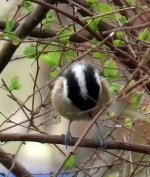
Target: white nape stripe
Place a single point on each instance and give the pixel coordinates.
(80, 76)
(65, 88)
(65, 91)
(98, 79)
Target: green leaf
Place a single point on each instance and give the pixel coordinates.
(115, 174)
(105, 8)
(16, 40)
(93, 24)
(50, 19)
(70, 162)
(144, 35)
(8, 32)
(70, 55)
(113, 115)
(52, 58)
(111, 69)
(10, 24)
(30, 51)
(123, 20)
(115, 87)
(128, 122)
(28, 6)
(120, 34)
(15, 84)
(54, 74)
(64, 36)
(118, 43)
(92, 1)
(135, 101)
(55, 46)
(103, 56)
(132, 2)
(13, 37)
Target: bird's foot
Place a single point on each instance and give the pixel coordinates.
(103, 141)
(102, 138)
(68, 139)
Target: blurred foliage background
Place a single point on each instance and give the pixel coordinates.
(38, 41)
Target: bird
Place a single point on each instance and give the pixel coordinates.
(80, 93)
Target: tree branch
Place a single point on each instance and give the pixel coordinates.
(7, 160)
(22, 31)
(88, 143)
(36, 32)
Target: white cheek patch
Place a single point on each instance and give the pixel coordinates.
(80, 76)
(98, 79)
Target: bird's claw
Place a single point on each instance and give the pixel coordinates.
(68, 139)
(103, 142)
(102, 138)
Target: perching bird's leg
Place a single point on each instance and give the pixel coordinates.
(103, 141)
(68, 136)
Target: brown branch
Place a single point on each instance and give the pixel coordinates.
(83, 7)
(36, 32)
(7, 161)
(73, 18)
(22, 31)
(82, 36)
(88, 143)
(125, 28)
(118, 51)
